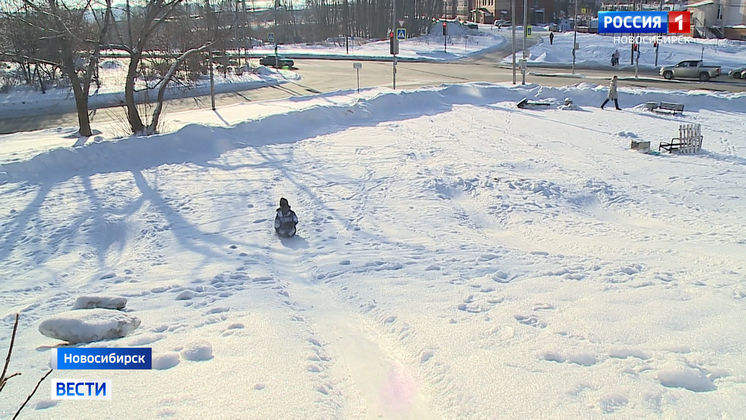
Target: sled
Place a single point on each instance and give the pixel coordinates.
(523, 103)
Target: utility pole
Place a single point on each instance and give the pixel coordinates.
(658, 39)
(525, 33)
(243, 35)
(393, 31)
(347, 28)
(512, 9)
(212, 76)
(236, 41)
(129, 25)
(575, 36)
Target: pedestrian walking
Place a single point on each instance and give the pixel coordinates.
(612, 94)
(551, 38)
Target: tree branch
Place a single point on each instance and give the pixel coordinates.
(32, 393)
(169, 7)
(3, 379)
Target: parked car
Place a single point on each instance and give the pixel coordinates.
(690, 69)
(471, 25)
(503, 24)
(738, 73)
(276, 61)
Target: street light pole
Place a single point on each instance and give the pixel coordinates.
(575, 36)
(512, 8)
(347, 29)
(393, 30)
(658, 40)
(525, 32)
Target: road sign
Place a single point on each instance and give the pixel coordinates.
(401, 22)
(528, 31)
(401, 34)
(271, 37)
(583, 10)
(357, 66)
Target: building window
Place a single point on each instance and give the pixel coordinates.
(720, 11)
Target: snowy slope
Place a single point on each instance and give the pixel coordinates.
(457, 258)
(596, 50)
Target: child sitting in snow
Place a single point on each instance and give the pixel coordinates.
(285, 220)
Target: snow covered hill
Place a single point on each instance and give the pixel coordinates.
(457, 257)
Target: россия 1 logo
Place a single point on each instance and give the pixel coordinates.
(644, 22)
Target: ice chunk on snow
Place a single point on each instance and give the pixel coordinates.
(197, 351)
(89, 325)
(691, 379)
(165, 361)
(105, 302)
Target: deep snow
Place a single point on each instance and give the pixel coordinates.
(457, 258)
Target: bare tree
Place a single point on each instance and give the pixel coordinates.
(149, 27)
(59, 35)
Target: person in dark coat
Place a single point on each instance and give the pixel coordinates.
(551, 38)
(612, 94)
(285, 220)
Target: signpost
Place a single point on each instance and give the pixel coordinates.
(271, 37)
(445, 37)
(357, 67)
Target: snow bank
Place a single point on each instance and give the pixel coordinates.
(89, 325)
(462, 42)
(198, 143)
(595, 51)
(103, 302)
(25, 102)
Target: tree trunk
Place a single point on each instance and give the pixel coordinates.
(133, 116)
(81, 99)
(163, 84)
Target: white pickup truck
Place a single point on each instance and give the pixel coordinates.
(690, 69)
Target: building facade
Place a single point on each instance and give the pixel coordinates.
(718, 18)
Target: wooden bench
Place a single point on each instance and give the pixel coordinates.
(689, 140)
(669, 108)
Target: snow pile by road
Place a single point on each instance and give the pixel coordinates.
(447, 238)
(461, 42)
(596, 50)
(23, 101)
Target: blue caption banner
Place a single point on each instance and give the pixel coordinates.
(633, 22)
(102, 358)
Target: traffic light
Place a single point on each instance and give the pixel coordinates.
(393, 44)
(445, 30)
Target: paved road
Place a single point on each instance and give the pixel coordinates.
(320, 76)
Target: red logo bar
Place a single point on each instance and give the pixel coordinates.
(679, 22)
